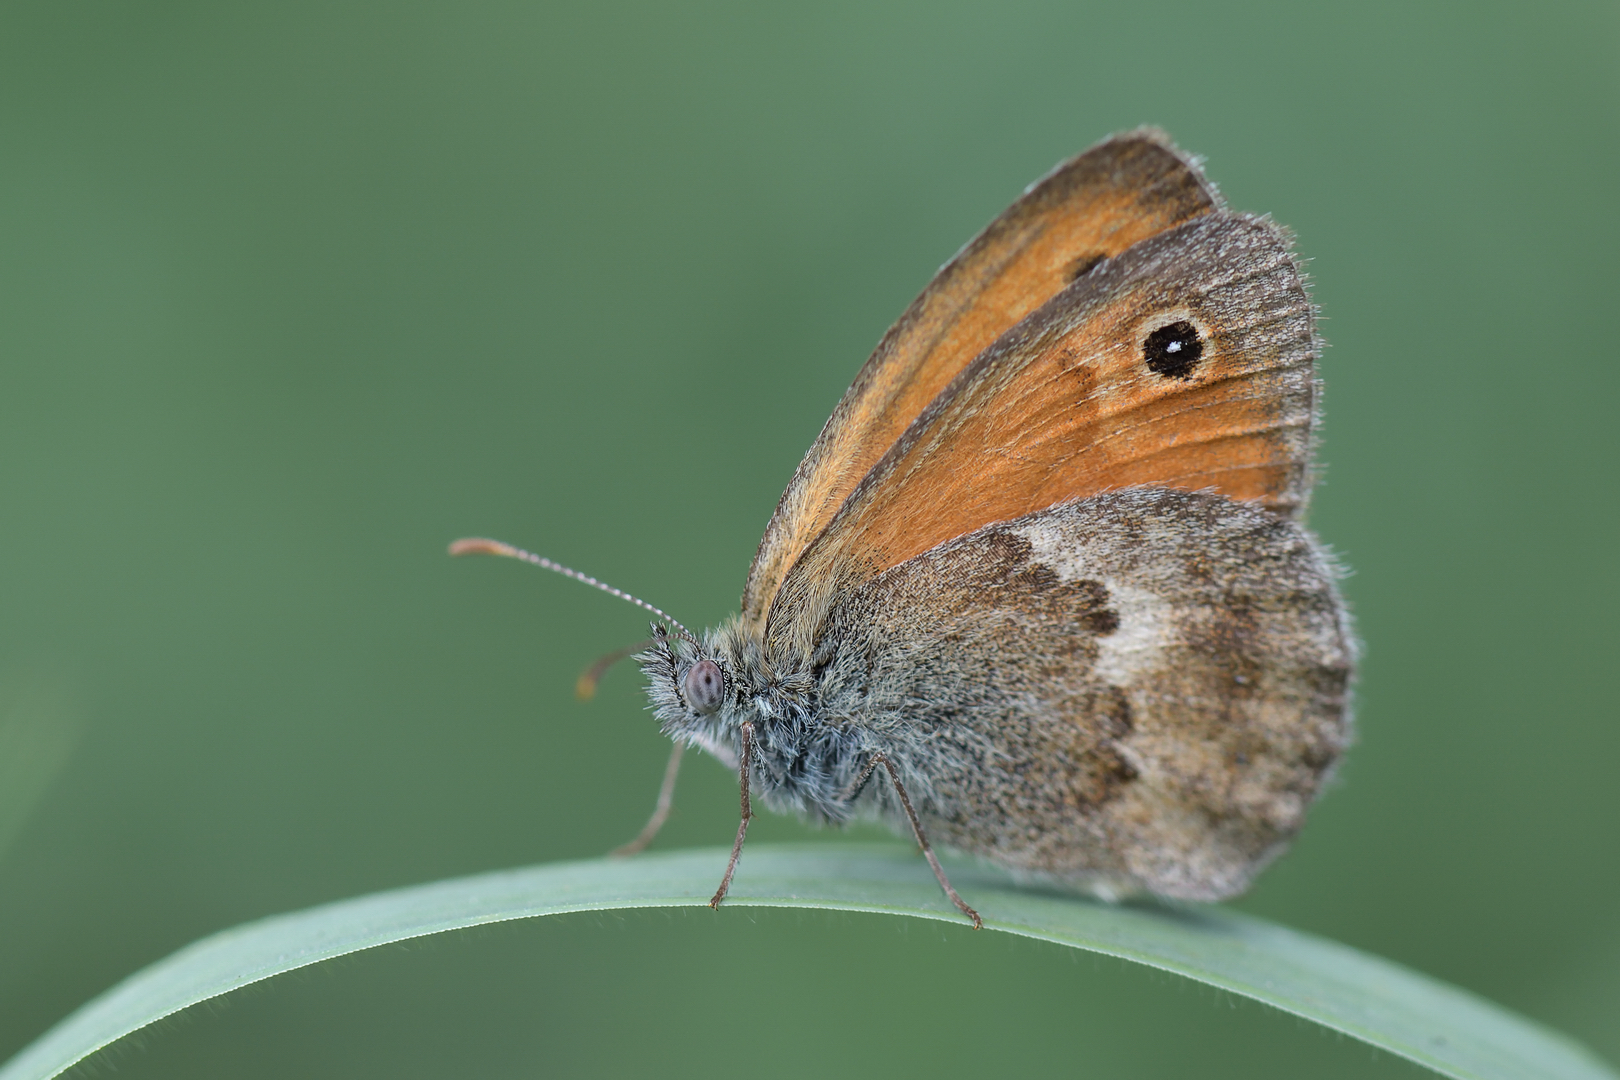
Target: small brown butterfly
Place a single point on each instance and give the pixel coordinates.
(1045, 567)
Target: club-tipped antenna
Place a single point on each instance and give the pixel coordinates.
(479, 546)
(585, 687)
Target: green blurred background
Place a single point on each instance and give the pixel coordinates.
(292, 294)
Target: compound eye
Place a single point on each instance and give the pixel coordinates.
(705, 687)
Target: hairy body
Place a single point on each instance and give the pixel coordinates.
(1138, 690)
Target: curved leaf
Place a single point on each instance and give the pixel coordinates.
(1450, 1031)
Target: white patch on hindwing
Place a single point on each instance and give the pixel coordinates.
(1145, 617)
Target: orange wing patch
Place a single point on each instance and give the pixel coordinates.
(1090, 208)
(1185, 363)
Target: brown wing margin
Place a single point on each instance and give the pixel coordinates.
(1065, 405)
(1091, 207)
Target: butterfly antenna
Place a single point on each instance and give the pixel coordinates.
(585, 688)
(480, 546)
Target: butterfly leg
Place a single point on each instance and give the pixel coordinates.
(660, 814)
(747, 814)
(916, 828)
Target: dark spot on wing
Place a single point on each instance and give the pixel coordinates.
(1173, 351)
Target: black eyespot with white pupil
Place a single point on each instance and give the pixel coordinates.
(1174, 350)
(705, 687)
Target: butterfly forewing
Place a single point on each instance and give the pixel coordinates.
(1092, 207)
(1186, 362)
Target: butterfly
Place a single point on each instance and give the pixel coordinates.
(1041, 590)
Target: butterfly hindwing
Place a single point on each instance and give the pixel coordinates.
(1143, 688)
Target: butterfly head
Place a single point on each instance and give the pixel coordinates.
(697, 687)
(704, 690)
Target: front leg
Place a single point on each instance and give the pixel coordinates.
(747, 815)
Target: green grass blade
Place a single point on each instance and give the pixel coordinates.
(1446, 1029)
